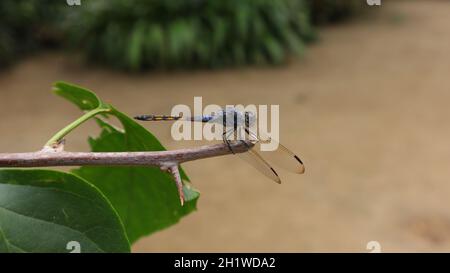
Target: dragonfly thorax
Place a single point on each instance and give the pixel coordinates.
(234, 118)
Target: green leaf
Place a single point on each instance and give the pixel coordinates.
(86, 100)
(145, 198)
(182, 39)
(136, 46)
(44, 210)
(274, 50)
(243, 18)
(155, 45)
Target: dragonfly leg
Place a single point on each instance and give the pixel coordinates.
(246, 144)
(226, 140)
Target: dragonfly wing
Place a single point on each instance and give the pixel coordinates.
(282, 156)
(254, 159)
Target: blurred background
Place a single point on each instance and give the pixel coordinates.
(363, 95)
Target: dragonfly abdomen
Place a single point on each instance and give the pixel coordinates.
(156, 117)
(165, 117)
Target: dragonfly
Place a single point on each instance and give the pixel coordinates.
(235, 121)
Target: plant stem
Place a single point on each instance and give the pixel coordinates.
(69, 128)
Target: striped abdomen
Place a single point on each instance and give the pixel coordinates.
(164, 118)
(157, 117)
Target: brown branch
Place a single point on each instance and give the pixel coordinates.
(166, 160)
(54, 156)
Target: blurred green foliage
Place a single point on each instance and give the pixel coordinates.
(326, 11)
(135, 34)
(26, 25)
(141, 34)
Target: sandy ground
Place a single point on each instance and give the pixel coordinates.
(366, 108)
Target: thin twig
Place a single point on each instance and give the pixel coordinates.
(173, 170)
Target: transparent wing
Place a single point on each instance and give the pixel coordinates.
(282, 156)
(254, 159)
